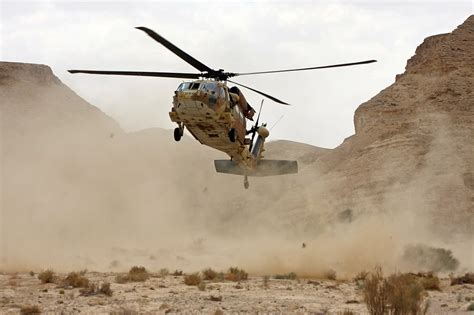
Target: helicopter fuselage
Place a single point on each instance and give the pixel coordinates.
(215, 117)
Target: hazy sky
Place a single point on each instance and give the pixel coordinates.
(238, 36)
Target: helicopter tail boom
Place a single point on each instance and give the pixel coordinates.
(263, 168)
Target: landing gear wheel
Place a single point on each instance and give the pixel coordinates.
(232, 135)
(246, 182)
(177, 133)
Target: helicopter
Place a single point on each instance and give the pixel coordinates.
(216, 115)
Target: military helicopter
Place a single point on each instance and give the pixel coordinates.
(217, 115)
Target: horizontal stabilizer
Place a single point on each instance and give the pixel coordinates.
(264, 168)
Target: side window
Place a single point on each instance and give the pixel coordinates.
(183, 86)
(194, 86)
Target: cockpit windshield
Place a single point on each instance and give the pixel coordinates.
(213, 88)
(188, 86)
(209, 87)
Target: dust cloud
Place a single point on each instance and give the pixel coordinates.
(79, 193)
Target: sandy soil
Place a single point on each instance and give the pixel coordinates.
(169, 294)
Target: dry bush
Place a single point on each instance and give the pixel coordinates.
(105, 289)
(30, 309)
(329, 274)
(209, 274)
(236, 274)
(429, 281)
(177, 273)
(430, 258)
(32, 273)
(93, 289)
(288, 276)
(192, 279)
(136, 274)
(75, 280)
(399, 294)
(405, 295)
(47, 276)
(468, 278)
(375, 293)
(470, 308)
(361, 276)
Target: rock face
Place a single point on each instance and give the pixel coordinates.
(72, 179)
(416, 136)
(411, 156)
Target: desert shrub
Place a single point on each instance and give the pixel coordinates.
(75, 280)
(236, 274)
(361, 276)
(470, 307)
(429, 281)
(105, 289)
(329, 274)
(192, 279)
(467, 278)
(405, 295)
(399, 294)
(164, 272)
(288, 276)
(30, 309)
(209, 274)
(177, 273)
(430, 258)
(32, 273)
(136, 274)
(375, 293)
(93, 289)
(47, 276)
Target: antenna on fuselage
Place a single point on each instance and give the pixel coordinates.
(281, 117)
(254, 129)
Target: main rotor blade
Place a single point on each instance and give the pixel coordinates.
(311, 68)
(259, 92)
(142, 74)
(192, 61)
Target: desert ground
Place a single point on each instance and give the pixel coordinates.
(163, 294)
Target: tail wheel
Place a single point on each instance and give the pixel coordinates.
(232, 135)
(177, 134)
(246, 182)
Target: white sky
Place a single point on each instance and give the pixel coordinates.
(239, 36)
